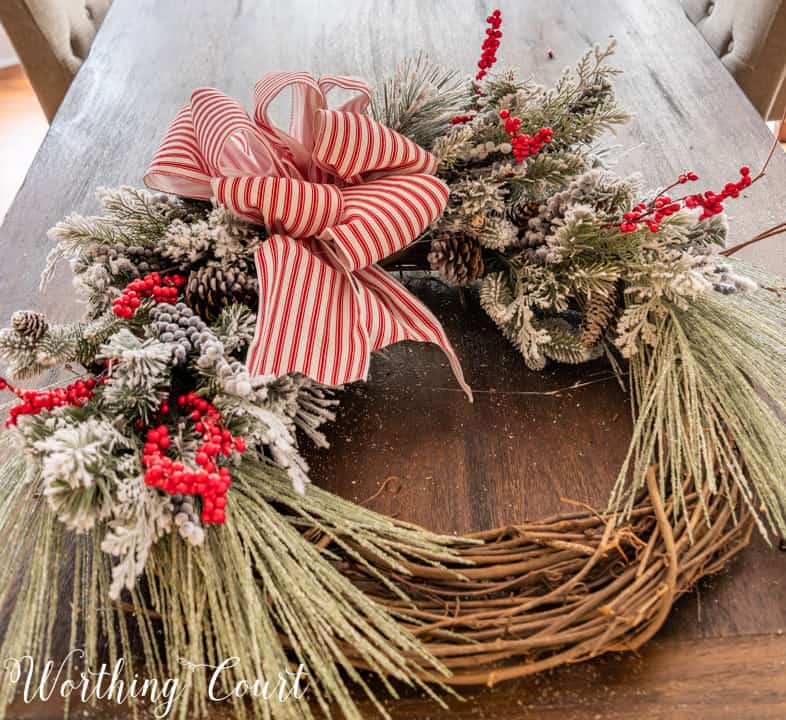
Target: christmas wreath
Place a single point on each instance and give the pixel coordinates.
(225, 303)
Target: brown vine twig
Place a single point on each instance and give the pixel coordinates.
(778, 229)
(544, 393)
(382, 488)
(531, 603)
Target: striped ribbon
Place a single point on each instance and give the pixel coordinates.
(338, 193)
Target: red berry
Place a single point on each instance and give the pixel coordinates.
(210, 482)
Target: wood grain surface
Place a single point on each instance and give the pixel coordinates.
(530, 439)
(713, 679)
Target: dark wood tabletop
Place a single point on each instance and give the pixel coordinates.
(530, 439)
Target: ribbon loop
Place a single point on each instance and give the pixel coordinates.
(223, 130)
(384, 216)
(357, 104)
(338, 193)
(354, 147)
(179, 167)
(307, 98)
(283, 205)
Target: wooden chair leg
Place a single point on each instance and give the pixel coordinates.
(782, 132)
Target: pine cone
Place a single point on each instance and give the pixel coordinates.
(597, 317)
(521, 212)
(212, 286)
(458, 258)
(29, 324)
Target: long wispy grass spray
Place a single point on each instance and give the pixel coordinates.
(260, 589)
(709, 402)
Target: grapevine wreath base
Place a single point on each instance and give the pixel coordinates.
(518, 600)
(522, 599)
(156, 507)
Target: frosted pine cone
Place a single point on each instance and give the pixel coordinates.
(213, 286)
(521, 212)
(458, 258)
(597, 317)
(29, 324)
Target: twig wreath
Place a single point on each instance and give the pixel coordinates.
(222, 307)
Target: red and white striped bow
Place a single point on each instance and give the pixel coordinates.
(338, 193)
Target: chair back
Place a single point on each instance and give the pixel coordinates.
(749, 37)
(52, 39)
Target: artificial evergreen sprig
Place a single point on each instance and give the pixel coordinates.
(146, 348)
(419, 100)
(571, 266)
(709, 402)
(133, 221)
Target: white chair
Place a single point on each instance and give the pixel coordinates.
(52, 39)
(749, 37)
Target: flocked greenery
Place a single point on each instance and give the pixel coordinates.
(238, 589)
(700, 348)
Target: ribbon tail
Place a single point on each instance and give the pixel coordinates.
(309, 320)
(394, 314)
(318, 319)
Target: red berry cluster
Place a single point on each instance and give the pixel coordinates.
(711, 203)
(524, 145)
(460, 119)
(172, 476)
(161, 289)
(34, 401)
(650, 216)
(662, 206)
(488, 54)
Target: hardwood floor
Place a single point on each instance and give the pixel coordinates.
(22, 128)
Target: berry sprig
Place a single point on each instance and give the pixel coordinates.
(162, 289)
(711, 203)
(488, 55)
(35, 401)
(662, 206)
(172, 476)
(524, 145)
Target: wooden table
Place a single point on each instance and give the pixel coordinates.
(517, 450)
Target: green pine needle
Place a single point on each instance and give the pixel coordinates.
(709, 401)
(258, 590)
